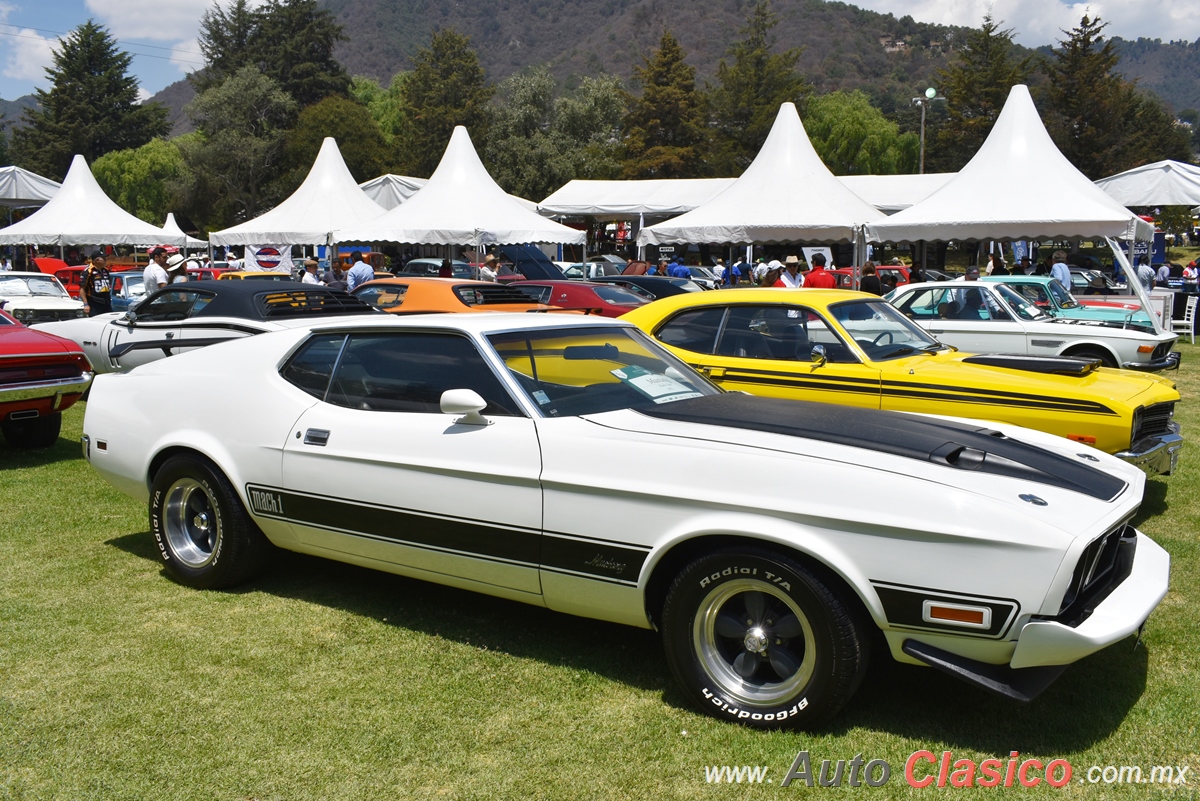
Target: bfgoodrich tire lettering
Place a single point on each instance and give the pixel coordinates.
(204, 535)
(760, 638)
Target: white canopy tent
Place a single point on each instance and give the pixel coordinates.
(630, 200)
(81, 214)
(21, 188)
(328, 199)
(461, 205)
(389, 190)
(787, 194)
(1163, 183)
(893, 193)
(171, 228)
(986, 201)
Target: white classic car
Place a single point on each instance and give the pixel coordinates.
(194, 314)
(553, 461)
(984, 317)
(37, 298)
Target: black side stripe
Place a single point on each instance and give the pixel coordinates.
(558, 552)
(903, 606)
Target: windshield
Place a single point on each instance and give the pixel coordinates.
(39, 285)
(882, 331)
(1023, 308)
(581, 371)
(1062, 297)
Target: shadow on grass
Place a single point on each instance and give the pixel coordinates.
(64, 450)
(1084, 706)
(1154, 502)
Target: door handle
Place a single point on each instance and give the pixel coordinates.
(316, 436)
(713, 372)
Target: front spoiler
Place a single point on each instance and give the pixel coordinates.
(1156, 455)
(1169, 362)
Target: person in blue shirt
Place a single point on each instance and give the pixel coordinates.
(679, 270)
(359, 273)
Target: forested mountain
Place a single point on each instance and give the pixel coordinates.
(1170, 70)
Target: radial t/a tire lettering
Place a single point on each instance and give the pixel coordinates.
(204, 535)
(760, 638)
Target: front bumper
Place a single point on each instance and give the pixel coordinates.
(1169, 362)
(38, 390)
(1156, 455)
(1048, 642)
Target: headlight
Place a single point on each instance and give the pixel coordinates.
(80, 313)
(23, 314)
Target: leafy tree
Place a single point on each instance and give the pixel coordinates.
(853, 137)
(289, 41)
(386, 105)
(92, 106)
(665, 129)
(523, 153)
(446, 87)
(144, 181)
(358, 136)
(746, 100)
(243, 125)
(591, 120)
(1150, 133)
(976, 87)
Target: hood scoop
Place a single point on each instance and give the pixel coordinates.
(1051, 365)
(954, 445)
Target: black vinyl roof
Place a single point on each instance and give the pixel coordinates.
(268, 300)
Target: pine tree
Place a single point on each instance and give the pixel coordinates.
(91, 109)
(227, 41)
(446, 87)
(665, 127)
(746, 100)
(976, 87)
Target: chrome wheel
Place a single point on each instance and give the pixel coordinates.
(191, 522)
(754, 642)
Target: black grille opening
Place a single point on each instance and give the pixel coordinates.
(1104, 564)
(1153, 420)
(1161, 351)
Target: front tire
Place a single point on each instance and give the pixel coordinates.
(34, 432)
(205, 537)
(1105, 358)
(760, 638)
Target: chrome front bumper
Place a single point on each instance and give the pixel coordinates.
(46, 389)
(1169, 362)
(1156, 455)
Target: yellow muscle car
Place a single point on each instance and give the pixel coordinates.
(856, 349)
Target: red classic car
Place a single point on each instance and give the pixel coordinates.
(40, 376)
(603, 299)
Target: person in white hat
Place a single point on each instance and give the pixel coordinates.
(790, 277)
(176, 268)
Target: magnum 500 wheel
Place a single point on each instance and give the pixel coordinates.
(205, 537)
(759, 638)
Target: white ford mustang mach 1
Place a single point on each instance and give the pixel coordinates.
(555, 462)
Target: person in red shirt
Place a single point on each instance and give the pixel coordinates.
(818, 278)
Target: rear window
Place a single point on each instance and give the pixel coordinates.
(304, 303)
(490, 295)
(618, 296)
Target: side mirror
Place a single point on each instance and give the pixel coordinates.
(466, 402)
(818, 355)
(131, 317)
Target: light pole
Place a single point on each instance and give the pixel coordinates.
(930, 96)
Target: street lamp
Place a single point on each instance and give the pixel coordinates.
(930, 96)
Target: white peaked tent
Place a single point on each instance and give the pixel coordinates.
(629, 200)
(1163, 183)
(328, 199)
(171, 228)
(81, 214)
(461, 205)
(20, 188)
(892, 193)
(787, 194)
(389, 190)
(989, 199)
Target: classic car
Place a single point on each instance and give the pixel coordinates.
(37, 297)
(589, 271)
(253, 275)
(890, 275)
(41, 375)
(855, 349)
(651, 287)
(419, 295)
(982, 317)
(1049, 296)
(128, 289)
(431, 268)
(493, 453)
(604, 299)
(194, 314)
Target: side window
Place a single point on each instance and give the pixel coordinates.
(928, 304)
(312, 366)
(409, 372)
(174, 305)
(693, 330)
(779, 332)
(538, 294)
(978, 304)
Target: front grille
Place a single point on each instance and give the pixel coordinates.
(1104, 564)
(48, 315)
(1161, 351)
(1152, 420)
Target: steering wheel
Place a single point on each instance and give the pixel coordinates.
(890, 339)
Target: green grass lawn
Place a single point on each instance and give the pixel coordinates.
(324, 681)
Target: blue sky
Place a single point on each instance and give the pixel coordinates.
(161, 34)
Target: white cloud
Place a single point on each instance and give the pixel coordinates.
(29, 53)
(1040, 22)
(186, 56)
(5, 10)
(167, 20)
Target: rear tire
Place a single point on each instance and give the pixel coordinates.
(759, 638)
(34, 432)
(205, 537)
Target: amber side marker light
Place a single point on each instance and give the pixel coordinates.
(1084, 438)
(978, 617)
(1145, 349)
